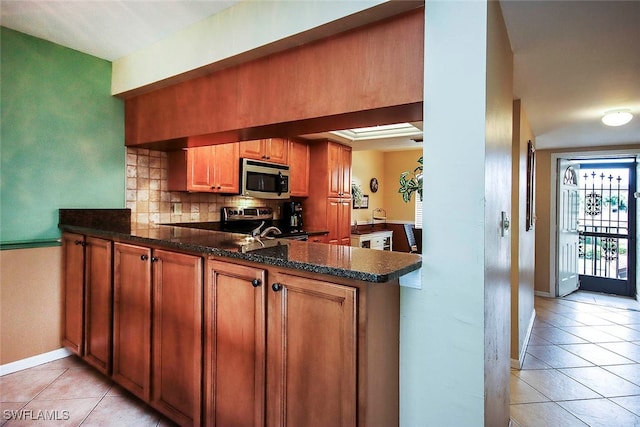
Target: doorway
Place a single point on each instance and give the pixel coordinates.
(607, 226)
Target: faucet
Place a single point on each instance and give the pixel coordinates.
(256, 230)
(268, 230)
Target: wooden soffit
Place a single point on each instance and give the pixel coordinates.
(367, 76)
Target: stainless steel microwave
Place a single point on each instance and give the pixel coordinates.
(264, 180)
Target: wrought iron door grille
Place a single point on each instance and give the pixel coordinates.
(604, 223)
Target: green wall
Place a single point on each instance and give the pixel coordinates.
(61, 139)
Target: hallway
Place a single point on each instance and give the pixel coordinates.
(582, 366)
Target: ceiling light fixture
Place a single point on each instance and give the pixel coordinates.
(617, 117)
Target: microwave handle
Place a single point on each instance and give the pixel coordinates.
(280, 183)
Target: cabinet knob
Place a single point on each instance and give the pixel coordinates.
(155, 259)
(80, 242)
(256, 283)
(144, 257)
(276, 287)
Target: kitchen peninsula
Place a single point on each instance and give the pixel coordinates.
(211, 327)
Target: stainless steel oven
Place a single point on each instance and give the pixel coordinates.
(264, 180)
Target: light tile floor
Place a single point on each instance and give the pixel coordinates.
(582, 368)
(582, 365)
(67, 392)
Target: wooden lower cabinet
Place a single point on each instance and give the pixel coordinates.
(298, 168)
(158, 329)
(73, 292)
(132, 319)
(87, 302)
(98, 306)
(235, 345)
(312, 351)
(177, 336)
(251, 345)
(283, 349)
(339, 221)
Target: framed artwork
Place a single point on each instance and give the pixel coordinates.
(531, 166)
(363, 204)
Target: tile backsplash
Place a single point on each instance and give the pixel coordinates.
(150, 201)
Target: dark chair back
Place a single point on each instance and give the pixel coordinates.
(411, 240)
(417, 233)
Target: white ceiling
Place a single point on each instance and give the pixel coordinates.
(573, 60)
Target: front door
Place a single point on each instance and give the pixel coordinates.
(567, 279)
(607, 253)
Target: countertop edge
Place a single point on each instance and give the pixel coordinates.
(252, 257)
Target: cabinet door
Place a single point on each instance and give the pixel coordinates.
(335, 158)
(344, 222)
(177, 336)
(339, 221)
(311, 353)
(345, 171)
(73, 293)
(199, 169)
(226, 168)
(132, 318)
(299, 169)
(277, 150)
(271, 150)
(252, 149)
(339, 166)
(334, 209)
(235, 335)
(98, 303)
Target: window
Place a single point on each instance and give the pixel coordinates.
(418, 212)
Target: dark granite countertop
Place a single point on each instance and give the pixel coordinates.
(341, 261)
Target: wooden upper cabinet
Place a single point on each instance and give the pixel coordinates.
(331, 172)
(345, 170)
(329, 204)
(298, 168)
(209, 169)
(339, 170)
(273, 150)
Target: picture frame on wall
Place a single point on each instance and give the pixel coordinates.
(363, 203)
(531, 165)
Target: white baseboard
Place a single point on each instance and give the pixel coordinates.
(517, 364)
(543, 294)
(30, 362)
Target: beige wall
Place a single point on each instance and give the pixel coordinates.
(544, 205)
(498, 196)
(387, 167)
(397, 162)
(30, 300)
(367, 165)
(522, 241)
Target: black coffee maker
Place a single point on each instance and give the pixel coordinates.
(292, 216)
